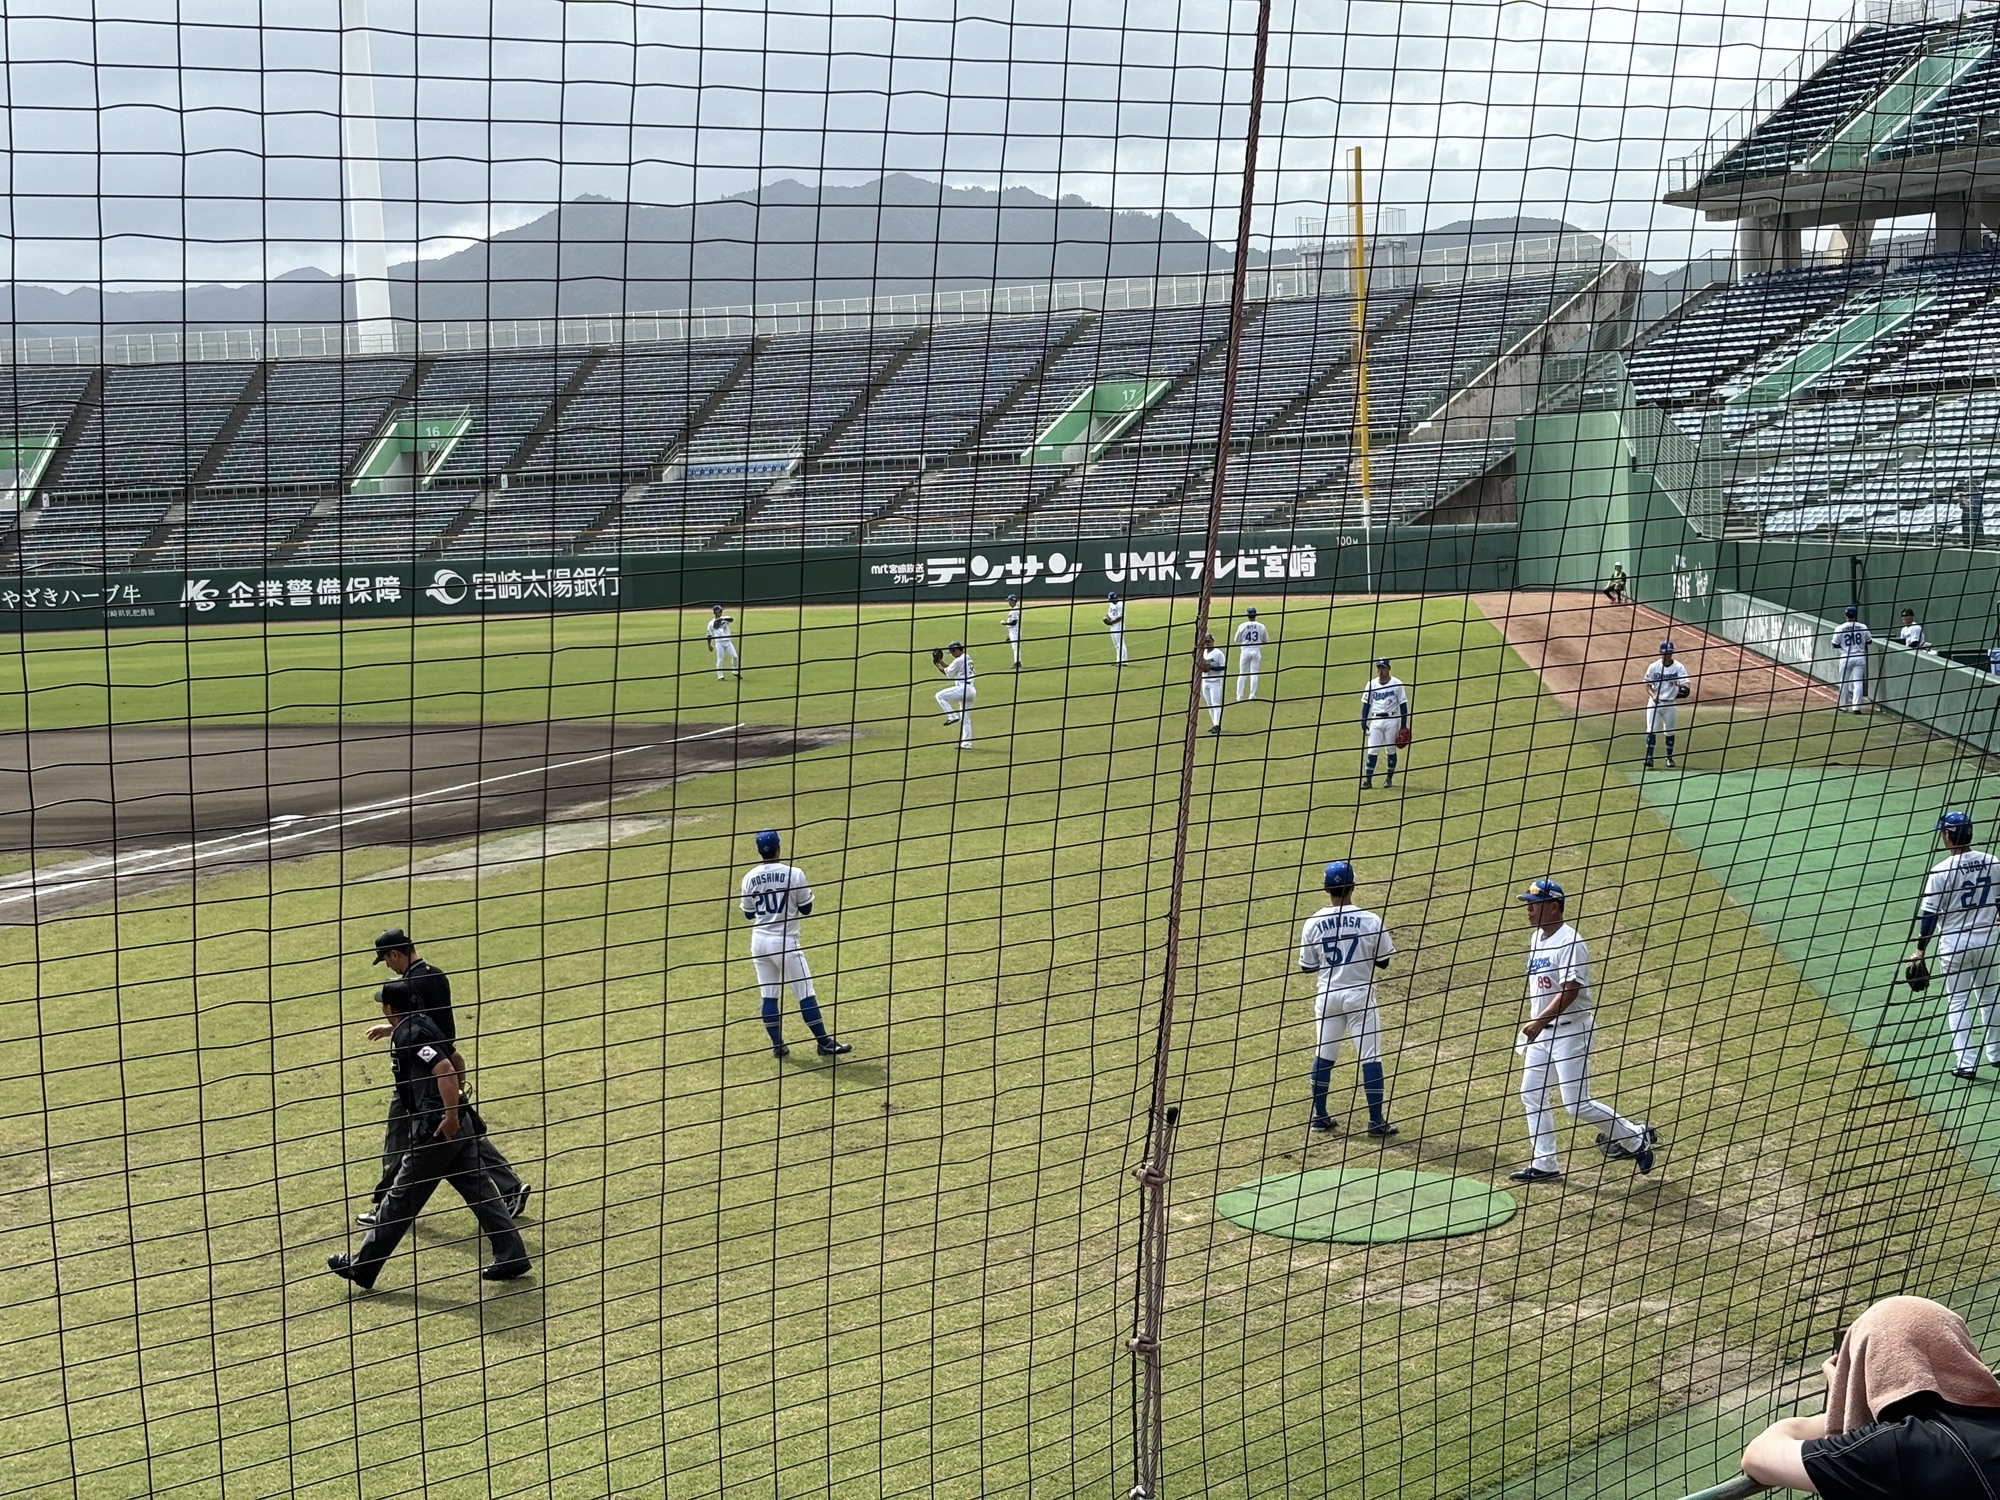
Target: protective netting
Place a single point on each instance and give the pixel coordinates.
(687, 685)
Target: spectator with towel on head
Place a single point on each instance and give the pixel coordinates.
(1911, 1410)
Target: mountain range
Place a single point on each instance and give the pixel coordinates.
(784, 242)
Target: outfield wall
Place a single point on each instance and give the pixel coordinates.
(1430, 559)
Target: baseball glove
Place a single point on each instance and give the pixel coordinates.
(1403, 737)
(937, 655)
(1917, 975)
(1109, 621)
(1684, 691)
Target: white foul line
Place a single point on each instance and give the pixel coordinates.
(117, 866)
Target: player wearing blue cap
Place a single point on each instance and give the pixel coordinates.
(1114, 616)
(775, 896)
(1666, 685)
(1555, 1043)
(1385, 721)
(1958, 909)
(1852, 640)
(1344, 946)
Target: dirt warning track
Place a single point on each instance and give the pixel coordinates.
(1592, 655)
(146, 806)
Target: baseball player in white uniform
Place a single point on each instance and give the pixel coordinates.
(958, 695)
(1958, 910)
(1251, 638)
(1666, 684)
(1852, 641)
(1014, 628)
(1114, 616)
(1344, 946)
(775, 896)
(1555, 1044)
(1912, 634)
(1385, 709)
(725, 649)
(1214, 666)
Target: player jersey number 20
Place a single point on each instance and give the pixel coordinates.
(770, 903)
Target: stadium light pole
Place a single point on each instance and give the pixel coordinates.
(366, 224)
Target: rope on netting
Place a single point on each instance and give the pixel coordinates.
(1150, 1292)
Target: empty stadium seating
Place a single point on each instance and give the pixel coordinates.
(900, 435)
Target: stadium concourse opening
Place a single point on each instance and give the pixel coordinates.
(139, 807)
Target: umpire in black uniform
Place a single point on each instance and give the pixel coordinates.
(430, 991)
(440, 1150)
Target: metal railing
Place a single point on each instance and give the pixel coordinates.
(903, 310)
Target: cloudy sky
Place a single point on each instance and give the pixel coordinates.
(152, 142)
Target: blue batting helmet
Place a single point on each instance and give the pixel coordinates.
(1957, 826)
(1542, 890)
(1852, 613)
(1340, 876)
(768, 843)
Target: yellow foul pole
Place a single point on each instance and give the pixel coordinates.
(1361, 345)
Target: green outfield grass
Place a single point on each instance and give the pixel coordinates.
(910, 1274)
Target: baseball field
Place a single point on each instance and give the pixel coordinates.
(909, 1271)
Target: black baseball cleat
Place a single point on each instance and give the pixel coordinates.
(1324, 1123)
(1670, 762)
(831, 1048)
(1382, 1128)
(1615, 1152)
(1968, 1074)
(343, 1266)
(517, 1205)
(1215, 729)
(1367, 782)
(506, 1270)
(1535, 1174)
(1389, 780)
(368, 1218)
(1646, 764)
(779, 1049)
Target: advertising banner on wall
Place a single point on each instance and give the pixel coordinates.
(1416, 560)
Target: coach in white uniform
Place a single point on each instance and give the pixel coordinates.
(1014, 628)
(1385, 709)
(1958, 910)
(1251, 638)
(1555, 1043)
(1214, 667)
(1664, 680)
(1114, 616)
(958, 695)
(1852, 641)
(1344, 946)
(775, 896)
(725, 649)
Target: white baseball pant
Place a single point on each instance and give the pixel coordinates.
(957, 701)
(725, 651)
(779, 966)
(1249, 664)
(1560, 1056)
(1972, 1004)
(1853, 681)
(1348, 1013)
(1014, 642)
(1661, 718)
(1382, 733)
(1118, 642)
(1211, 697)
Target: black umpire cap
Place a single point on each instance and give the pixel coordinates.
(388, 942)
